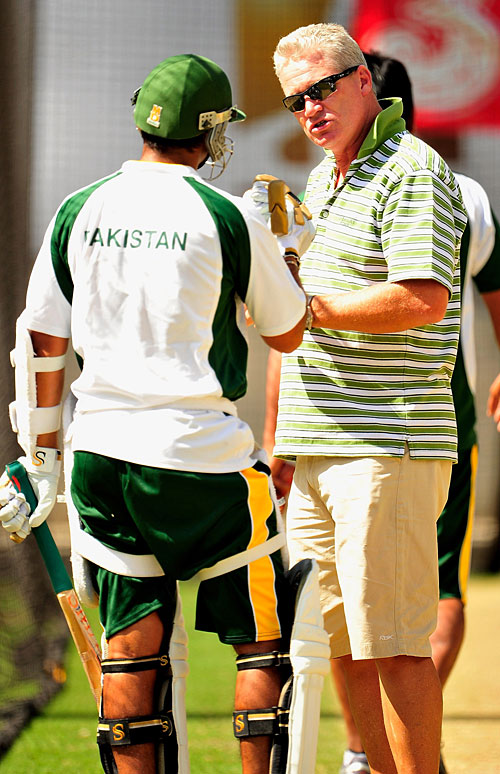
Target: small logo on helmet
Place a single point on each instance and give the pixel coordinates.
(155, 115)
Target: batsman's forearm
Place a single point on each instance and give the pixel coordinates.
(50, 385)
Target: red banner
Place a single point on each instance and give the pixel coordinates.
(451, 49)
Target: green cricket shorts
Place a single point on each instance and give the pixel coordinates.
(189, 521)
(454, 528)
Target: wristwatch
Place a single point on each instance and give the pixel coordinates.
(309, 313)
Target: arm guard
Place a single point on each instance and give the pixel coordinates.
(27, 420)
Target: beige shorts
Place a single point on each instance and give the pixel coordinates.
(370, 522)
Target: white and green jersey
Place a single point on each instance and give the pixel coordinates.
(479, 265)
(147, 271)
(397, 215)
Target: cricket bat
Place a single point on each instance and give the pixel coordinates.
(81, 632)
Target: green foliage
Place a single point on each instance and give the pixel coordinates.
(62, 739)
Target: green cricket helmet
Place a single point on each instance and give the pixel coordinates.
(185, 96)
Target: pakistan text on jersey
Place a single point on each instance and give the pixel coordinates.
(120, 237)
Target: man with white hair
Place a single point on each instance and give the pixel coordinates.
(365, 407)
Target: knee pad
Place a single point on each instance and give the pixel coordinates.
(304, 662)
(166, 727)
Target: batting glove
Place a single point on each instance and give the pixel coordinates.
(14, 510)
(43, 471)
(288, 218)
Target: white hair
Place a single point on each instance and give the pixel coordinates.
(332, 41)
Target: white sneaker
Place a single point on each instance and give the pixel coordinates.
(354, 763)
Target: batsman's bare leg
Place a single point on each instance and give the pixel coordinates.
(448, 636)
(127, 695)
(255, 689)
(362, 709)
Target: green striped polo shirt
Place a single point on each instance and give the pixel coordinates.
(397, 215)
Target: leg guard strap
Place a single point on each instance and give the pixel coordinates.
(256, 722)
(117, 665)
(260, 660)
(134, 730)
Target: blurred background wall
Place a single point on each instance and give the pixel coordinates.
(70, 69)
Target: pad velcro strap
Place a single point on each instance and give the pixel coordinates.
(44, 419)
(45, 364)
(135, 730)
(262, 660)
(120, 665)
(42, 364)
(256, 722)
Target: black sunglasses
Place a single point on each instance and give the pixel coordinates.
(320, 90)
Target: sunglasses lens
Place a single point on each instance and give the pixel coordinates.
(294, 103)
(323, 89)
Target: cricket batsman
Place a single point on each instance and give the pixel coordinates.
(148, 272)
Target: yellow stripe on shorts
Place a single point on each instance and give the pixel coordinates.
(261, 572)
(466, 552)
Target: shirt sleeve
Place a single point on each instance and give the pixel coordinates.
(274, 300)
(422, 224)
(47, 310)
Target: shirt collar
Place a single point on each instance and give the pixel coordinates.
(387, 123)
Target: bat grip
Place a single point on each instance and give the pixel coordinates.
(50, 553)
